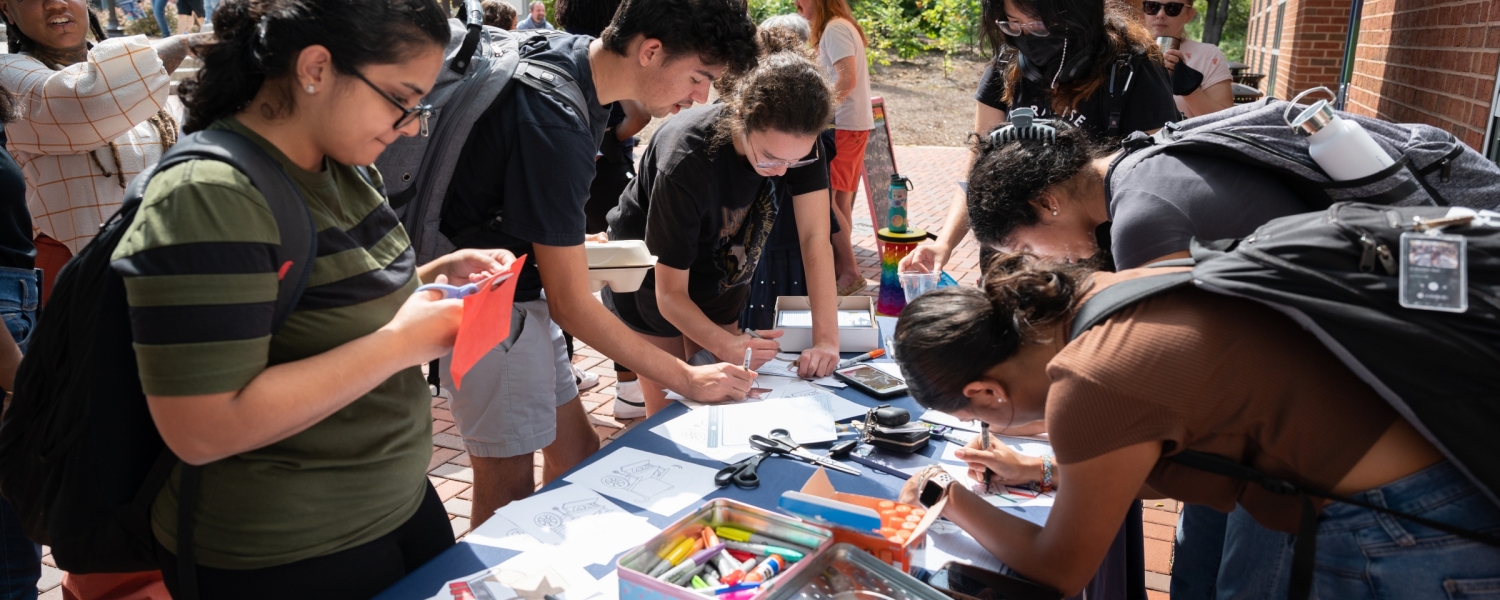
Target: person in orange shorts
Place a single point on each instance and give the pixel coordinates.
(841, 56)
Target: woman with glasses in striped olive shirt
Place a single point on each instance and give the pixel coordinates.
(705, 202)
(312, 440)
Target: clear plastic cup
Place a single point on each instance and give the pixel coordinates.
(916, 284)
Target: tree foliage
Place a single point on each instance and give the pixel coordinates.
(902, 28)
(1224, 23)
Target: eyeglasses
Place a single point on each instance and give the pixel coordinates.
(1151, 7)
(1014, 29)
(420, 111)
(790, 164)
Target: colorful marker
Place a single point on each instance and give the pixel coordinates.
(728, 589)
(741, 535)
(692, 562)
(765, 550)
(670, 557)
(698, 583)
(766, 570)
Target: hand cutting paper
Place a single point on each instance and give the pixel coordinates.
(486, 321)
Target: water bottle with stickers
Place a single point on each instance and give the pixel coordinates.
(897, 197)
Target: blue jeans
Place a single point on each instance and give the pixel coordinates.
(159, 9)
(20, 559)
(1228, 557)
(1365, 554)
(208, 10)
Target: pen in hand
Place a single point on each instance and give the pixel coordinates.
(984, 444)
(749, 352)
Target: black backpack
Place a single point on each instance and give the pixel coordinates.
(482, 66)
(80, 457)
(1431, 167)
(1335, 273)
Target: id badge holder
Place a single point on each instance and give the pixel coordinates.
(1434, 272)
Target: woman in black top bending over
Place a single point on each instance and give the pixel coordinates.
(1086, 61)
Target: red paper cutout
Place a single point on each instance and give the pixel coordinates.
(486, 322)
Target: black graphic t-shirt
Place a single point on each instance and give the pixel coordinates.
(1146, 103)
(702, 208)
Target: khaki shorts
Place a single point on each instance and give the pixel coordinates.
(508, 404)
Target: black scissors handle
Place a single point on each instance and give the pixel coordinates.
(771, 445)
(742, 474)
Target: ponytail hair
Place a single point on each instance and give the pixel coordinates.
(951, 337)
(256, 43)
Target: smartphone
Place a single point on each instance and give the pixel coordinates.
(965, 582)
(872, 381)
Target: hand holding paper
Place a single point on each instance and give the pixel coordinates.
(486, 321)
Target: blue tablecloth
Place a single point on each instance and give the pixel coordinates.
(1121, 576)
(777, 476)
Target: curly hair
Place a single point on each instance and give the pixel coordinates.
(719, 32)
(1008, 176)
(784, 93)
(499, 14)
(769, 41)
(256, 43)
(953, 336)
(1106, 29)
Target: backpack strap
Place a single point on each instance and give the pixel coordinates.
(1304, 550)
(1117, 297)
(294, 255)
(474, 19)
(1115, 101)
(554, 82)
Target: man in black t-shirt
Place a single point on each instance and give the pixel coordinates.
(521, 184)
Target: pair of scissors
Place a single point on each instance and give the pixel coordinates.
(742, 474)
(781, 443)
(451, 292)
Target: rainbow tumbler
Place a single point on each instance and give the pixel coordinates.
(893, 248)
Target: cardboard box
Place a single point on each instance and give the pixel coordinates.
(636, 584)
(851, 339)
(893, 553)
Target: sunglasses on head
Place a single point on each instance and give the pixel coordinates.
(1152, 7)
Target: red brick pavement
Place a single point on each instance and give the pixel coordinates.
(934, 171)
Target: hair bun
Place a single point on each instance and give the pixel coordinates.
(1032, 293)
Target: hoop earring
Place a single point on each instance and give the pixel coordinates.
(311, 89)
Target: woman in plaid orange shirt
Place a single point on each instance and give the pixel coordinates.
(93, 116)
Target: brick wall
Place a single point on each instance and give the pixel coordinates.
(1429, 61)
(1304, 52)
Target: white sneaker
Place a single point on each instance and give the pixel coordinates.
(629, 402)
(586, 380)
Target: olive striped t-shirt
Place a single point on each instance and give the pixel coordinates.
(201, 280)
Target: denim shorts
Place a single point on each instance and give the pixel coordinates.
(1365, 554)
(19, 297)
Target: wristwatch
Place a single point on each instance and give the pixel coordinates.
(934, 489)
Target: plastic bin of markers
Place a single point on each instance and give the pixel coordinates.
(845, 572)
(636, 584)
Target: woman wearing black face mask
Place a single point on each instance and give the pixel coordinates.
(1087, 61)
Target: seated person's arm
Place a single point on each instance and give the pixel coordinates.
(565, 277)
(1083, 523)
(817, 263)
(1211, 99)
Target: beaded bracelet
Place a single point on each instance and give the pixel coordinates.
(1048, 472)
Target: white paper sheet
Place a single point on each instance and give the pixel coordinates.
(937, 417)
(766, 387)
(1012, 497)
(502, 532)
(569, 520)
(778, 367)
(651, 481)
(947, 543)
(723, 432)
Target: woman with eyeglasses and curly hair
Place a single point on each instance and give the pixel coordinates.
(708, 195)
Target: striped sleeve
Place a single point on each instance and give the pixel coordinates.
(199, 264)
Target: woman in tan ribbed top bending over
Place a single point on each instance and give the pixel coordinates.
(1183, 370)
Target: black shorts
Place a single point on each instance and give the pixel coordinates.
(640, 312)
(189, 7)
